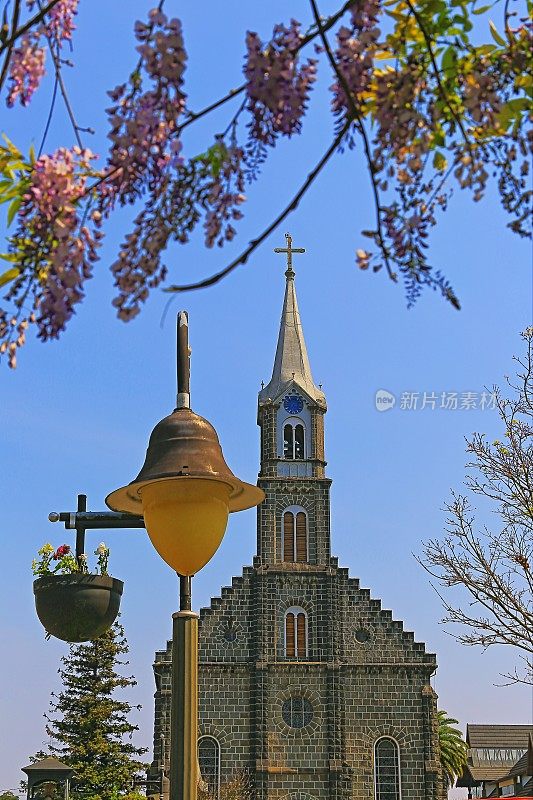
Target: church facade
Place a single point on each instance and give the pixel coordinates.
(307, 685)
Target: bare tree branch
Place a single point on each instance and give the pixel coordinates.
(495, 569)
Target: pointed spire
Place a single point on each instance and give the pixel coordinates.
(292, 362)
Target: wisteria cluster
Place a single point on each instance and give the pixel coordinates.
(402, 117)
(277, 84)
(210, 186)
(355, 52)
(138, 267)
(226, 194)
(27, 64)
(145, 155)
(144, 129)
(403, 124)
(60, 19)
(26, 69)
(52, 234)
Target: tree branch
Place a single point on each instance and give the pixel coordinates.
(354, 112)
(442, 90)
(62, 88)
(27, 25)
(254, 244)
(14, 23)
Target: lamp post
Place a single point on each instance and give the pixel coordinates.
(183, 496)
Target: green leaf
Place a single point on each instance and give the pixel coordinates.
(10, 194)
(439, 138)
(449, 60)
(481, 9)
(518, 104)
(495, 35)
(11, 147)
(9, 275)
(13, 208)
(512, 111)
(439, 161)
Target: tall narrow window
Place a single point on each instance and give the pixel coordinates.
(209, 763)
(301, 537)
(301, 636)
(290, 637)
(295, 536)
(387, 770)
(299, 441)
(294, 441)
(288, 441)
(288, 536)
(296, 633)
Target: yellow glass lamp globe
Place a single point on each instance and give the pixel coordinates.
(186, 520)
(185, 491)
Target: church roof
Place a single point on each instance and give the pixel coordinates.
(291, 364)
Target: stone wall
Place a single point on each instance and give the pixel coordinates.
(365, 677)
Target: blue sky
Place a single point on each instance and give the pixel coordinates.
(78, 412)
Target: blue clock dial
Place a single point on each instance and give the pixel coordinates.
(293, 403)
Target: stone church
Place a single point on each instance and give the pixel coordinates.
(307, 685)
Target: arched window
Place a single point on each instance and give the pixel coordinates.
(387, 769)
(293, 440)
(295, 536)
(296, 633)
(209, 763)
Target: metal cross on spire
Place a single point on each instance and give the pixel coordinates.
(289, 250)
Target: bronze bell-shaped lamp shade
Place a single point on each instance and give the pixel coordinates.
(185, 489)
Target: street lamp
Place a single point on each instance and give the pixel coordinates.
(182, 495)
(185, 489)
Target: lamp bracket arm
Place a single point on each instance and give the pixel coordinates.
(92, 520)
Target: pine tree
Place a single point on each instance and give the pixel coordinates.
(88, 727)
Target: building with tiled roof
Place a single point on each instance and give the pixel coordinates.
(500, 761)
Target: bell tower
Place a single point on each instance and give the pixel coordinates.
(293, 524)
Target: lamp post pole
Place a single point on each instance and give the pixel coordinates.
(184, 710)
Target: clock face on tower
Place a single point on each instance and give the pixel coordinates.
(293, 403)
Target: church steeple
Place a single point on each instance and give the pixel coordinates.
(293, 521)
(291, 364)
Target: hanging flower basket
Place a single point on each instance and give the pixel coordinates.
(73, 604)
(77, 607)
